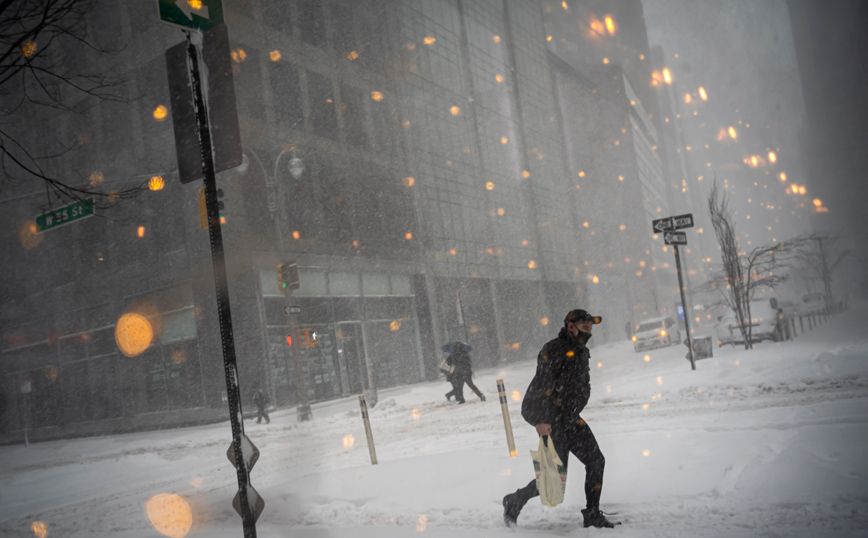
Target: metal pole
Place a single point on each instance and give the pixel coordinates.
(507, 422)
(368, 432)
(215, 235)
(684, 307)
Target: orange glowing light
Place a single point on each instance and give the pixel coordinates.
(802, 189)
(732, 133)
(28, 49)
(818, 202)
(195, 4)
(170, 515)
(667, 76)
(582, 173)
(376, 96)
(595, 280)
(395, 326)
(409, 181)
(455, 110)
(133, 334)
(274, 55)
(498, 78)
(27, 234)
(141, 231)
(408, 236)
(531, 264)
(156, 183)
(504, 140)
(496, 39)
(40, 529)
(489, 186)
(525, 174)
(544, 321)
(96, 178)
(160, 113)
(296, 234)
(352, 55)
(516, 396)
(702, 94)
(783, 176)
(610, 25)
(772, 157)
(753, 161)
(687, 98)
(605, 60)
(430, 40)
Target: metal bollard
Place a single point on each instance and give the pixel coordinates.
(368, 432)
(795, 334)
(810, 322)
(802, 324)
(507, 423)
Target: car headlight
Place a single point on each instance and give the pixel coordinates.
(662, 333)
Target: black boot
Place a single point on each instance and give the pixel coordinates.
(448, 396)
(595, 518)
(511, 509)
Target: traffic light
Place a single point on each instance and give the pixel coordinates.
(287, 276)
(203, 208)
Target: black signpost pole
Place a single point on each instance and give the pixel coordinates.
(230, 365)
(684, 308)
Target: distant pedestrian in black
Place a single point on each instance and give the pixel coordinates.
(260, 400)
(460, 359)
(557, 394)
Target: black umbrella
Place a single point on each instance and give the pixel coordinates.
(448, 348)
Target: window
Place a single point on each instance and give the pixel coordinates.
(312, 22)
(286, 95)
(322, 105)
(353, 111)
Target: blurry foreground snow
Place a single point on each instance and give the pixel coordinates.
(770, 442)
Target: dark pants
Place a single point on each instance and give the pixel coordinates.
(578, 439)
(458, 381)
(261, 412)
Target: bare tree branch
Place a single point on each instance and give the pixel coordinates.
(44, 45)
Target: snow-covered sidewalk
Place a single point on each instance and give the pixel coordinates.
(769, 442)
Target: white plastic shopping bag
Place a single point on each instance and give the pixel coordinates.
(551, 473)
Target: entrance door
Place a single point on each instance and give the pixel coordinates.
(351, 353)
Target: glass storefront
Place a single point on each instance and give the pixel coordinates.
(365, 328)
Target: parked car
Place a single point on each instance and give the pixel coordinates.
(767, 323)
(656, 332)
(812, 302)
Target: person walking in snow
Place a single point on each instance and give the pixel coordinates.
(461, 374)
(260, 400)
(556, 396)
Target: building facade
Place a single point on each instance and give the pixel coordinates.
(460, 182)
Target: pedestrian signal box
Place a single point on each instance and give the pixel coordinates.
(308, 338)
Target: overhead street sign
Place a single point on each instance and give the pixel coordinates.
(675, 238)
(661, 225)
(64, 215)
(191, 14)
(683, 221)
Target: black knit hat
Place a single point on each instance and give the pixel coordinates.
(581, 315)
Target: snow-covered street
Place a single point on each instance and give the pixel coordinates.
(769, 442)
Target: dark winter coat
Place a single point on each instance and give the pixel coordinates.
(260, 398)
(562, 385)
(460, 359)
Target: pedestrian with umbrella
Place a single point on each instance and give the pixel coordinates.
(462, 372)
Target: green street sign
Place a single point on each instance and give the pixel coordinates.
(64, 215)
(191, 14)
